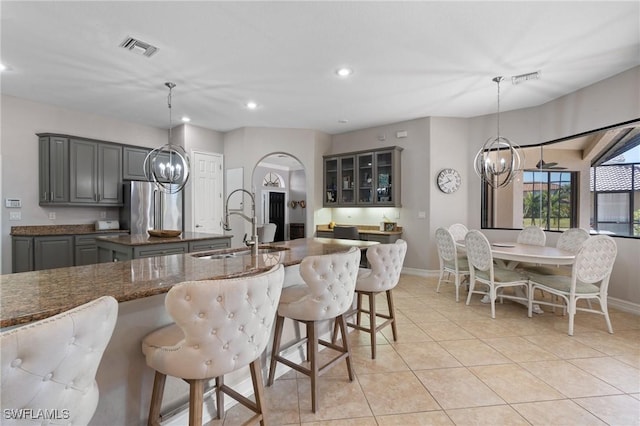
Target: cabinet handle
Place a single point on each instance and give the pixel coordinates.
(45, 196)
(51, 198)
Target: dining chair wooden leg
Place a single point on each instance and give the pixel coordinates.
(196, 394)
(277, 336)
(156, 399)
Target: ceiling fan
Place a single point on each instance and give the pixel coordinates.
(542, 165)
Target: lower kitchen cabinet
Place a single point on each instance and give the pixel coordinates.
(22, 254)
(52, 252)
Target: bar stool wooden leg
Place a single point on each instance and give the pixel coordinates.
(156, 399)
(312, 335)
(196, 393)
(220, 397)
(392, 314)
(342, 321)
(372, 323)
(258, 389)
(276, 349)
(359, 308)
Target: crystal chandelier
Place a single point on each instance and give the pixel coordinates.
(168, 166)
(498, 161)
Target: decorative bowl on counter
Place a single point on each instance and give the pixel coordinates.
(164, 233)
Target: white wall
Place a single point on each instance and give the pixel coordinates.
(21, 120)
(246, 147)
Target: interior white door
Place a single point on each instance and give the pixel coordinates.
(208, 192)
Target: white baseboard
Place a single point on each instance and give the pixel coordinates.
(623, 305)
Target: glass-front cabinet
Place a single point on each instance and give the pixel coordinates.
(363, 179)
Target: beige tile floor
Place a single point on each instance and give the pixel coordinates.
(453, 364)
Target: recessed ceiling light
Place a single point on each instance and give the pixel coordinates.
(186, 119)
(251, 105)
(344, 72)
(343, 121)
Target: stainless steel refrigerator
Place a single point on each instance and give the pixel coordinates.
(146, 207)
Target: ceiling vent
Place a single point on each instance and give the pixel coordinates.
(517, 79)
(139, 47)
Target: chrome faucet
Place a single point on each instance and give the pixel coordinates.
(253, 242)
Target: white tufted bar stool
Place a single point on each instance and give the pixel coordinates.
(51, 365)
(386, 264)
(327, 294)
(220, 326)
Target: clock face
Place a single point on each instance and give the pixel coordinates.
(449, 180)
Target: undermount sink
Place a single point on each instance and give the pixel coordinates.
(226, 253)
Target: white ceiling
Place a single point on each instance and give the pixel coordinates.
(411, 59)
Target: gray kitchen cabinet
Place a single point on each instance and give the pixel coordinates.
(53, 169)
(22, 254)
(95, 173)
(52, 252)
(203, 245)
(133, 163)
(86, 249)
(363, 179)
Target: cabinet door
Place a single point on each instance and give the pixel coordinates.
(54, 169)
(365, 178)
(347, 181)
(330, 182)
(53, 252)
(385, 193)
(84, 171)
(133, 163)
(22, 254)
(109, 179)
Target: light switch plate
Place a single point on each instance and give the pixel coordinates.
(15, 216)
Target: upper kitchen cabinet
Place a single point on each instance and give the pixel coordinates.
(363, 179)
(95, 172)
(133, 163)
(54, 169)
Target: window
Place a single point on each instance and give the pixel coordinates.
(615, 198)
(272, 179)
(549, 199)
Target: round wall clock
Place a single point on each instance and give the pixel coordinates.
(449, 180)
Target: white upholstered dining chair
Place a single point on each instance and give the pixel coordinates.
(483, 271)
(51, 364)
(327, 293)
(589, 280)
(220, 326)
(450, 261)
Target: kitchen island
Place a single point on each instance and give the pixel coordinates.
(126, 247)
(140, 285)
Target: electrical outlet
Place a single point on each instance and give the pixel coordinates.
(52, 215)
(103, 215)
(422, 215)
(15, 216)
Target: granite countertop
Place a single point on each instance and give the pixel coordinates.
(363, 229)
(44, 230)
(145, 239)
(32, 296)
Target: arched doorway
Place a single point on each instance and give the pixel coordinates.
(280, 182)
